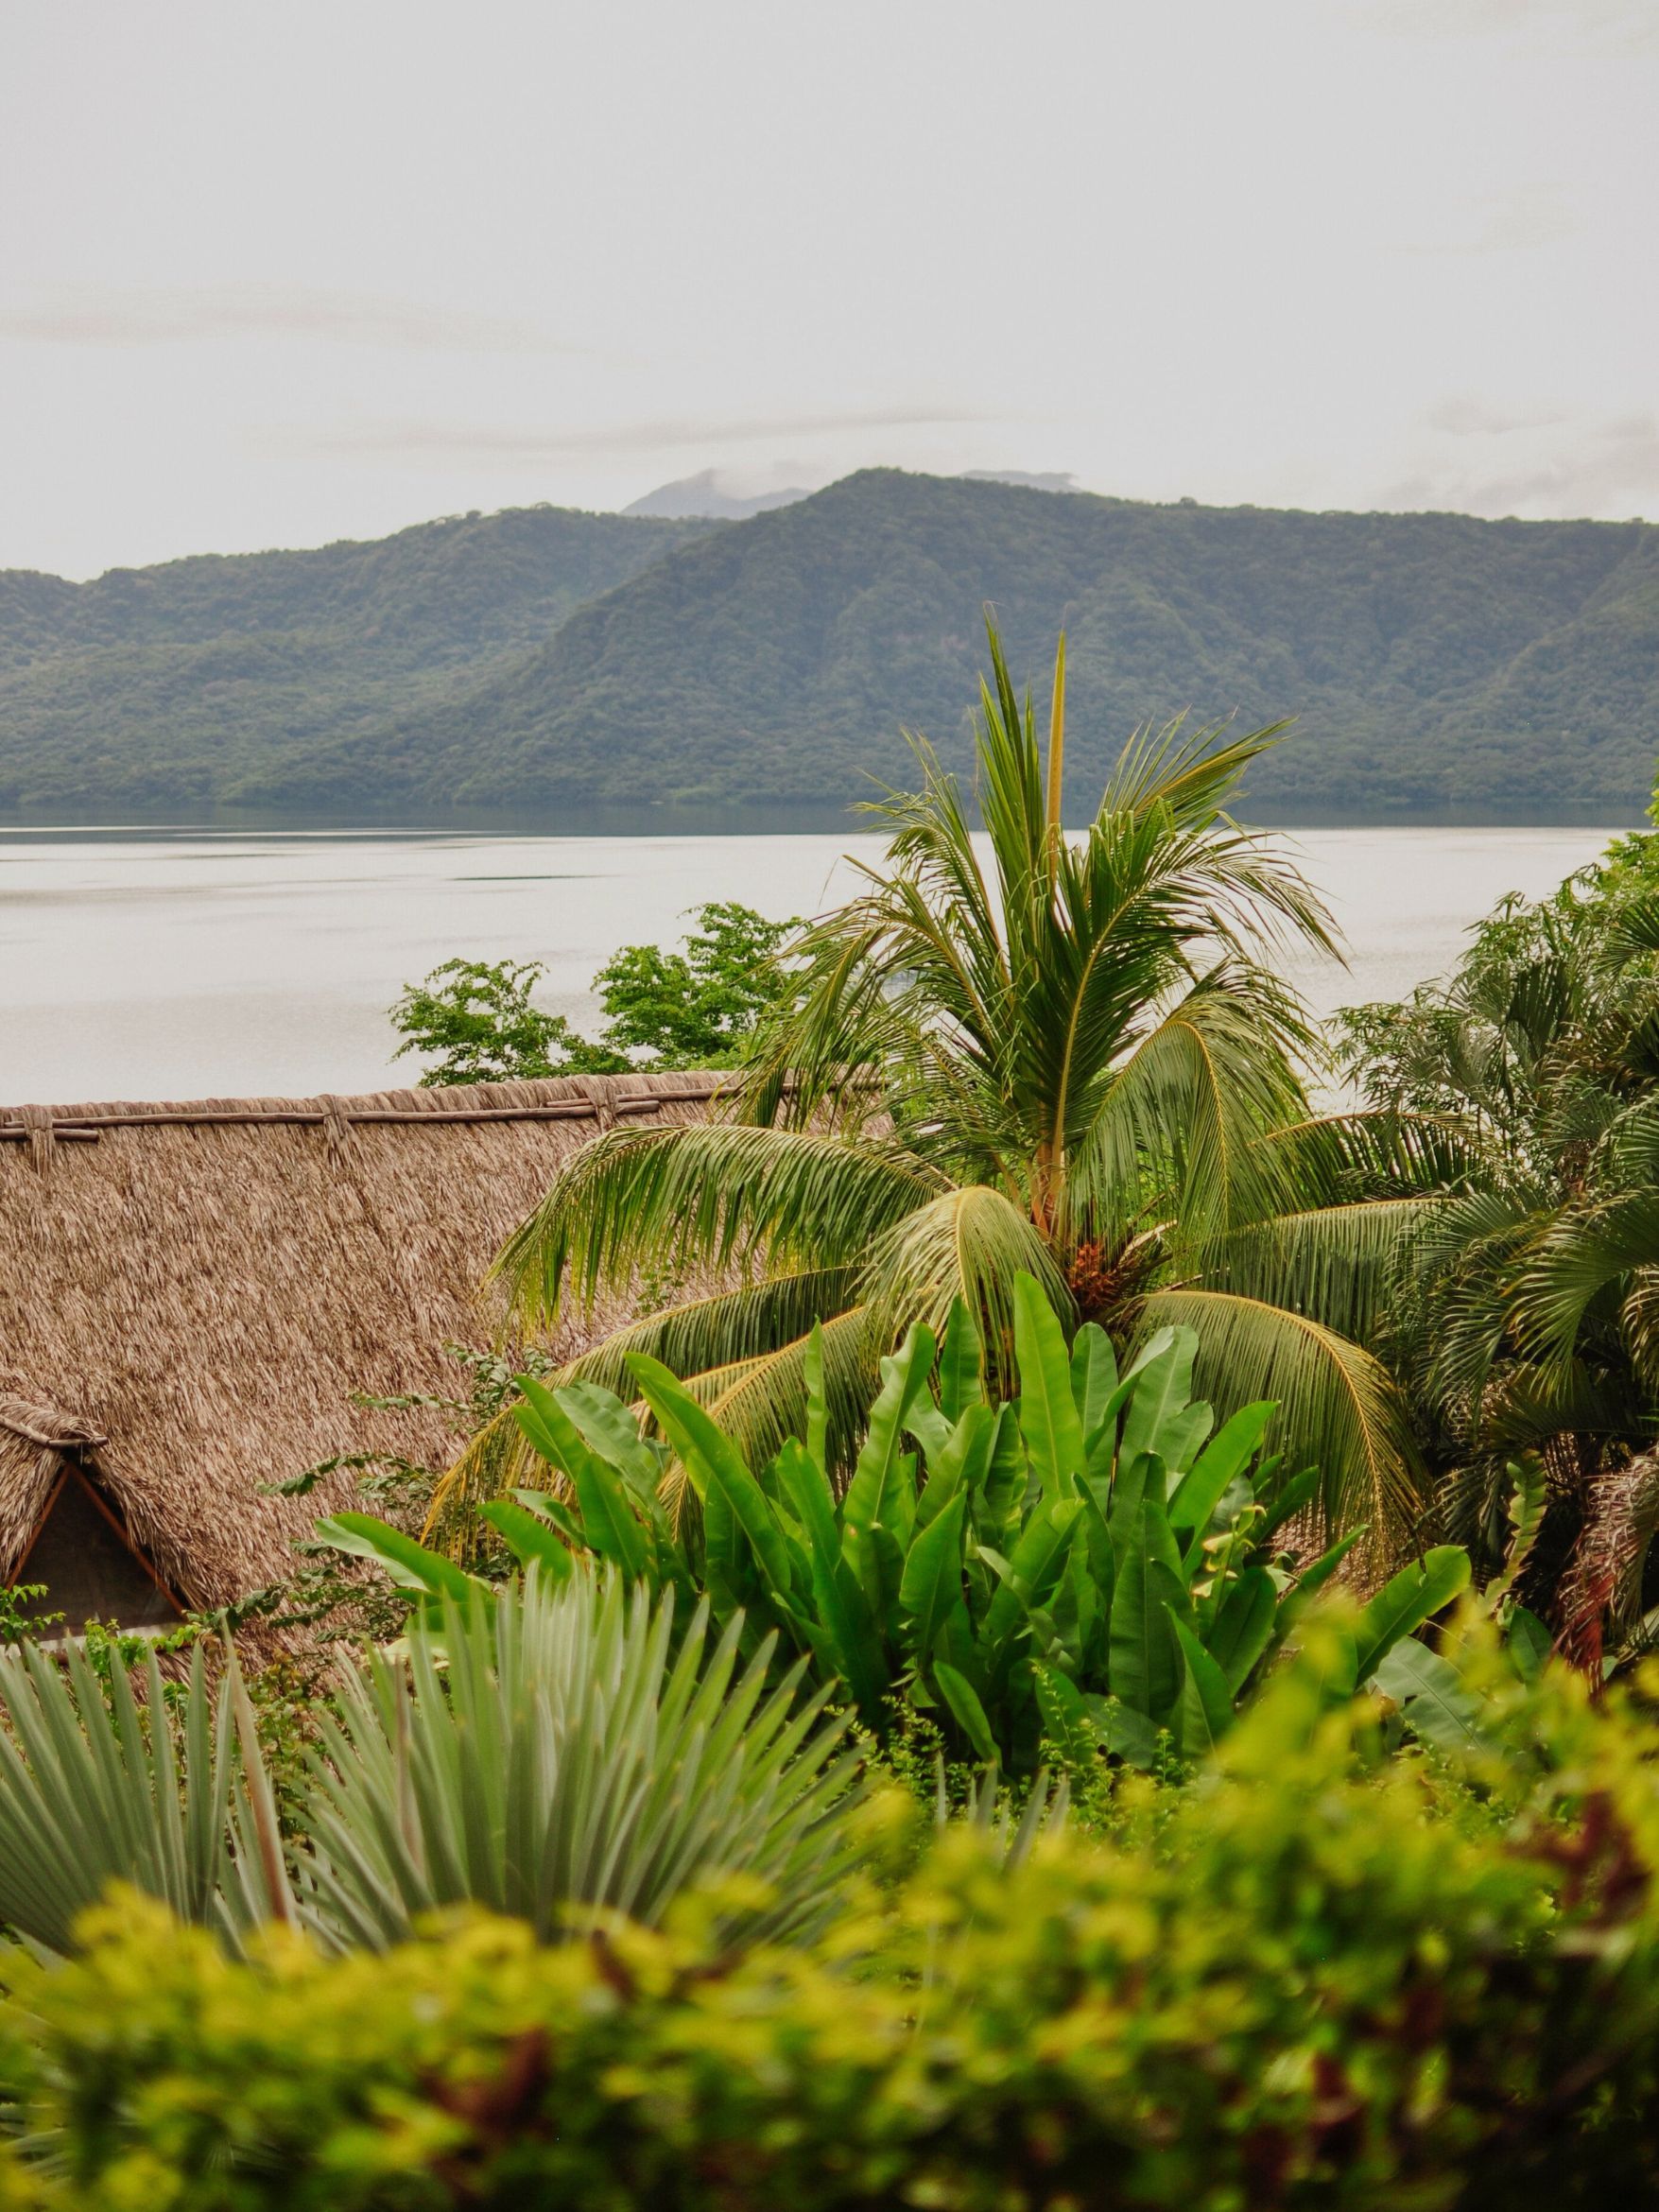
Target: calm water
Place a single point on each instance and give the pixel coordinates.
(153, 965)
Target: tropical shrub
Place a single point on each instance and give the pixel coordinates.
(1328, 1981)
(1084, 1567)
(539, 1752)
(537, 1748)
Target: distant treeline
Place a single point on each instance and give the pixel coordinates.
(545, 657)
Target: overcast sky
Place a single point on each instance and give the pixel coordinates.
(272, 275)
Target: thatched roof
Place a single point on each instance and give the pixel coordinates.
(190, 1295)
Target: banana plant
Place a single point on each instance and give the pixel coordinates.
(1094, 1566)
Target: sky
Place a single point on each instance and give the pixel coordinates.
(274, 276)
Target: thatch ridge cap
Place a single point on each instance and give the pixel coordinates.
(48, 1425)
(453, 1099)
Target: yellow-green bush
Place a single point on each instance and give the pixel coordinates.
(1321, 1977)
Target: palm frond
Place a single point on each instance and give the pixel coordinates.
(970, 1243)
(1340, 1409)
(1335, 1264)
(708, 1194)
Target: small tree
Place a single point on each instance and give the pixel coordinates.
(479, 1018)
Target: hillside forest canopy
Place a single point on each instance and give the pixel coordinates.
(543, 659)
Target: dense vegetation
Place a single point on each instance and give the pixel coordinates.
(545, 658)
(1086, 1070)
(170, 684)
(1330, 1980)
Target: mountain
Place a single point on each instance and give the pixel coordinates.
(165, 685)
(1431, 659)
(702, 494)
(545, 657)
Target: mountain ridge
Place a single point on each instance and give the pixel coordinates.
(1431, 661)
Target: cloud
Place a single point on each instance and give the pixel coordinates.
(1605, 468)
(1463, 415)
(1512, 223)
(1589, 25)
(96, 316)
(515, 444)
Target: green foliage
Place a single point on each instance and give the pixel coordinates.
(1086, 1070)
(699, 1008)
(545, 658)
(1086, 1567)
(556, 1749)
(170, 1796)
(479, 1018)
(190, 683)
(540, 1751)
(1328, 1980)
(1525, 1320)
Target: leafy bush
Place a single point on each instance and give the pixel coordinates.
(699, 1008)
(1327, 1981)
(1086, 1566)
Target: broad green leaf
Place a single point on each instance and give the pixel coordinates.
(1226, 1456)
(960, 1695)
(1299, 1493)
(1162, 1387)
(529, 1537)
(1529, 1642)
(550, 1508)
(1093, 1384)
(1430, 1694)
(1127, 1734)
(1244, 1626)
(961, 1363)
(1313, 1578)
(878, 1561)
(840, 1603)
(1183, 1436)
(699, 1441)
(961, 1467)
(1404, 1603)
(1048, 1415)
(1204, 1713)
(1141, 1477)
(998, 1500)
(608, 1426)
(880, 1467)
(1033, 1568)
(1144, 1663)
(931, 1583)
(609, 1519)
(409, 1564)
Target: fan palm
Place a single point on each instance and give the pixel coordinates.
(1019, 1052)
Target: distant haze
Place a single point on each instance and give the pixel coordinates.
(282, 276)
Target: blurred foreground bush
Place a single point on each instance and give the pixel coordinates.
(1324, 1976)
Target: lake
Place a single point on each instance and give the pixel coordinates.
(180, 964)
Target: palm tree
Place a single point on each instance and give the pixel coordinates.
(1527, 1317)
(1067, 1056)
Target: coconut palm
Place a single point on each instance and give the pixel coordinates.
(1025, 1051)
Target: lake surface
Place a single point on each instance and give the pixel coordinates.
(153, 964)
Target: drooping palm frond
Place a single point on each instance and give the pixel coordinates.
(704, 1193)
(970, 1243)
(1340, 1409)
(1338, 1265)
(1584, 1255)
(1173, 1125)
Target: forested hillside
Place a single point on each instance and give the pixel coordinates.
(167, 685)
(546, 657)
